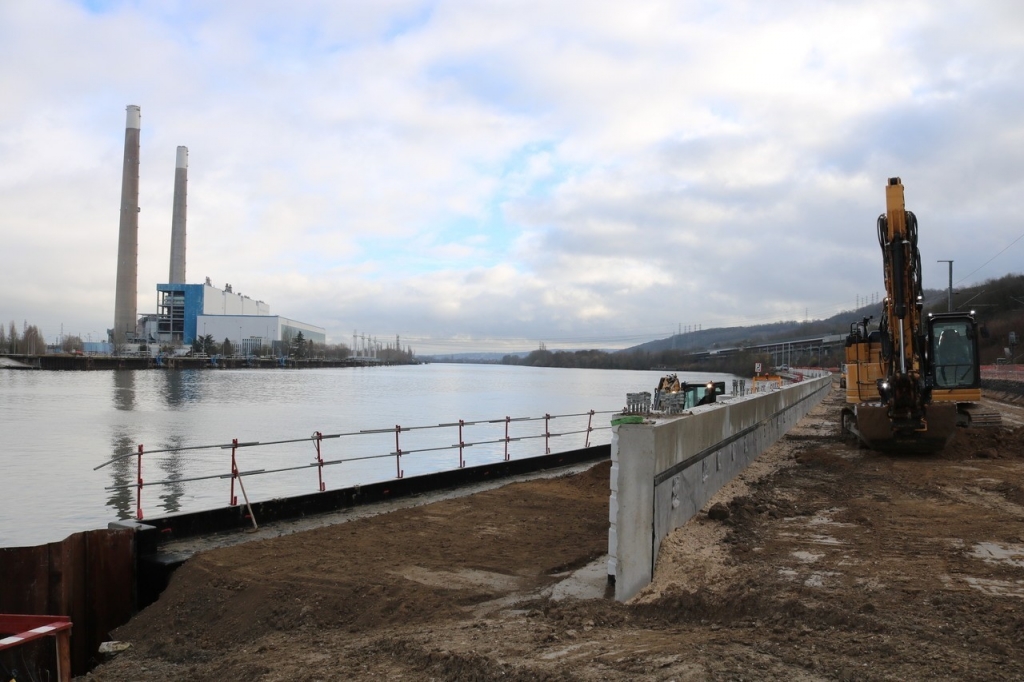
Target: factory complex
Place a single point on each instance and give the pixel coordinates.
(185, 312)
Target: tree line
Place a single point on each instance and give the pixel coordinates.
(297, 346)
(29, 341)
(740, 364)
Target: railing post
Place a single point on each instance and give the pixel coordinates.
(462, 444)
(63, 644)
(507, 420)
(319, 459)
(547, 433)
(138, 488)
(398, 453)
(590, 421)
(233, 500)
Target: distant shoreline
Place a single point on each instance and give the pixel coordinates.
(68, 362)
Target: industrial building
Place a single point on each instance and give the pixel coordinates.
(189, 311)
(185, 311)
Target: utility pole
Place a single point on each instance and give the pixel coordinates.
(949, 305)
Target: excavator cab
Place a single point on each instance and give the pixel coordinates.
(953, 351)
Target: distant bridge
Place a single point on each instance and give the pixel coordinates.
(781, 351)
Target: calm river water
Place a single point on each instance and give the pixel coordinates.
(55, 427)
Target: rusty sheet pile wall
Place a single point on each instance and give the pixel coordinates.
(88, 576)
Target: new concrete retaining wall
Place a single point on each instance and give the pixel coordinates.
(664, 472)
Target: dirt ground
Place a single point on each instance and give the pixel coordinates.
(832, 563)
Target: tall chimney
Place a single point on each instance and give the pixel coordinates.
(177, 275)
(125, 296)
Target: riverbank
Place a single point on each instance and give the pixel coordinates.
(70, 362)
(823, 561)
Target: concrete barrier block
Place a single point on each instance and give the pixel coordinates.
(664, 472)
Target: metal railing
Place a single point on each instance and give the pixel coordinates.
(317, 440)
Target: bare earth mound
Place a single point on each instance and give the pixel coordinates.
(832, 562)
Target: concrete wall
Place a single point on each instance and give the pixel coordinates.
(664, 472)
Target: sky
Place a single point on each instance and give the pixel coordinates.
(490, 176)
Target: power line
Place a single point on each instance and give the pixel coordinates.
(991, 259)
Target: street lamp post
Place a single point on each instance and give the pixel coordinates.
(949, 304)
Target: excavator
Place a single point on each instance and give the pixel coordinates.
(914, 379)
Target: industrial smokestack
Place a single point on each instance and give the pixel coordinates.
(177, 275)
(125, 296)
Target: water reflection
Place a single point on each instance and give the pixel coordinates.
(94, 416)
(124, 389)
(171, 464)
(123, 472)
(182, 386)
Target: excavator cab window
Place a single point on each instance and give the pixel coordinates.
(954, 353)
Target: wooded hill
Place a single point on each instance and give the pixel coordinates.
(998, 306)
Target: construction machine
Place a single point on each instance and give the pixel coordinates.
(911, 381)
(673, 395)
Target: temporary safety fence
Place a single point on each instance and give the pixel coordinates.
(27, 628)
(497, 447)
(1003, 372)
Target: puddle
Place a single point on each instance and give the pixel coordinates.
(564, 651)
(818, 579)
(997, 588)
(816, 539)
(806, 557)
(999, 553)
(824, 540)
(787, 573)
(824, 518)
(871, 584)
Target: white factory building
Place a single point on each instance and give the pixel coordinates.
(189, 311)
(250, 333)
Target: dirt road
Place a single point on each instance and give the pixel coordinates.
(833, 562)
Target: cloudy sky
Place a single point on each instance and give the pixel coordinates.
(492, 175)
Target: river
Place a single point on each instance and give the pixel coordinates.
(56, 427)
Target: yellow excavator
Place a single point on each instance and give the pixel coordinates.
(913, 380)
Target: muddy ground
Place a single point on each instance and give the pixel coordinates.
(832, 563)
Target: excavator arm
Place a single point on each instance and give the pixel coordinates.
(903, 389)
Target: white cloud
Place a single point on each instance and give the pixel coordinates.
(484, 173)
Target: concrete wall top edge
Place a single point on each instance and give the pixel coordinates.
(677, 438)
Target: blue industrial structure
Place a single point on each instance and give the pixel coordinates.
(188, 311)
(178, 308)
